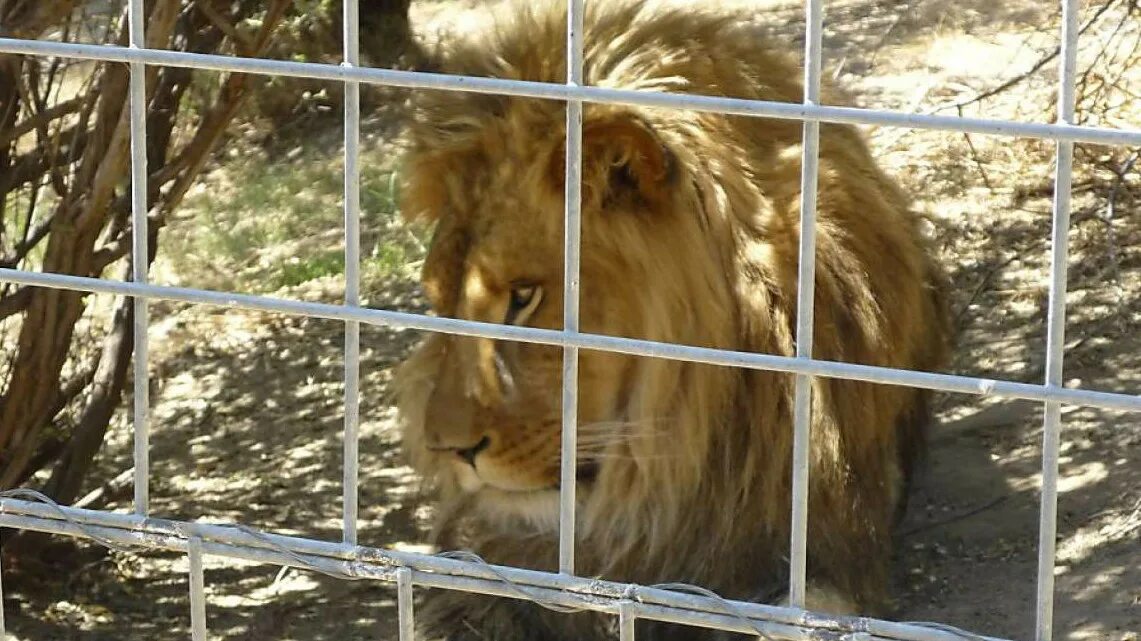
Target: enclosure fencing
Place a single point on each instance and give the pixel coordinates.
(29, 510)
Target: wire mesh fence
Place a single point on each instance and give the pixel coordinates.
(24, 509)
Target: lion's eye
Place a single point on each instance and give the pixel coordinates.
(521, 296)
(524, 300)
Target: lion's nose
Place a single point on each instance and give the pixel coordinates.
(468, 454)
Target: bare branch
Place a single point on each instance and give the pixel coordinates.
(15, 302)
(244, 48)
(1042, 62)
(30, 19)
(107, 383)
(185, 168)
(40, 118)
(31, 238)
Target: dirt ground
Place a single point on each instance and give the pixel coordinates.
(248, 407)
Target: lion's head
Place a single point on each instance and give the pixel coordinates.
(689, 235)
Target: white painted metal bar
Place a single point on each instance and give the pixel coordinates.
(352, 356)
(426, 80)
(139, 256)
(600, 342)
(572, 237)
(349, 561)
(197, 590)
(805, 296)
(1056, 327)
(404, 605)
(164, 533)
(626, 620)
(3, 625)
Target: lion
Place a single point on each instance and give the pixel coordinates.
(689, 235)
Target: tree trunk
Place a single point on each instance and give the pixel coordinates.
(87, 163)
(386, 33)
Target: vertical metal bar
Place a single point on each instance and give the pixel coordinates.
(138, 100)
(352, 270)
(3, 625)
(626, 621)
(571, 247)
(197, 591)
(404, 604)
(805, 293)
(1056, 327)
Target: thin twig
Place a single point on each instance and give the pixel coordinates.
(959, 516)
(975, 156)
(982, 286)
(1042, 62)
(1108, 217)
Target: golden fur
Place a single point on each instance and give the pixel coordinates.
(689, 236)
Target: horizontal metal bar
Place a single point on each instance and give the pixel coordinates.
(599, 342)
(554, 91)
(348, 561)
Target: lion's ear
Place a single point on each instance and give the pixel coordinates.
(623, 160)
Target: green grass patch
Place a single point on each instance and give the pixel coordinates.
(296, 271)
(256, 226)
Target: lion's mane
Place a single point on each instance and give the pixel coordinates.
(690, 235)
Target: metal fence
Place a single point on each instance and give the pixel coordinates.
(25, 509)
